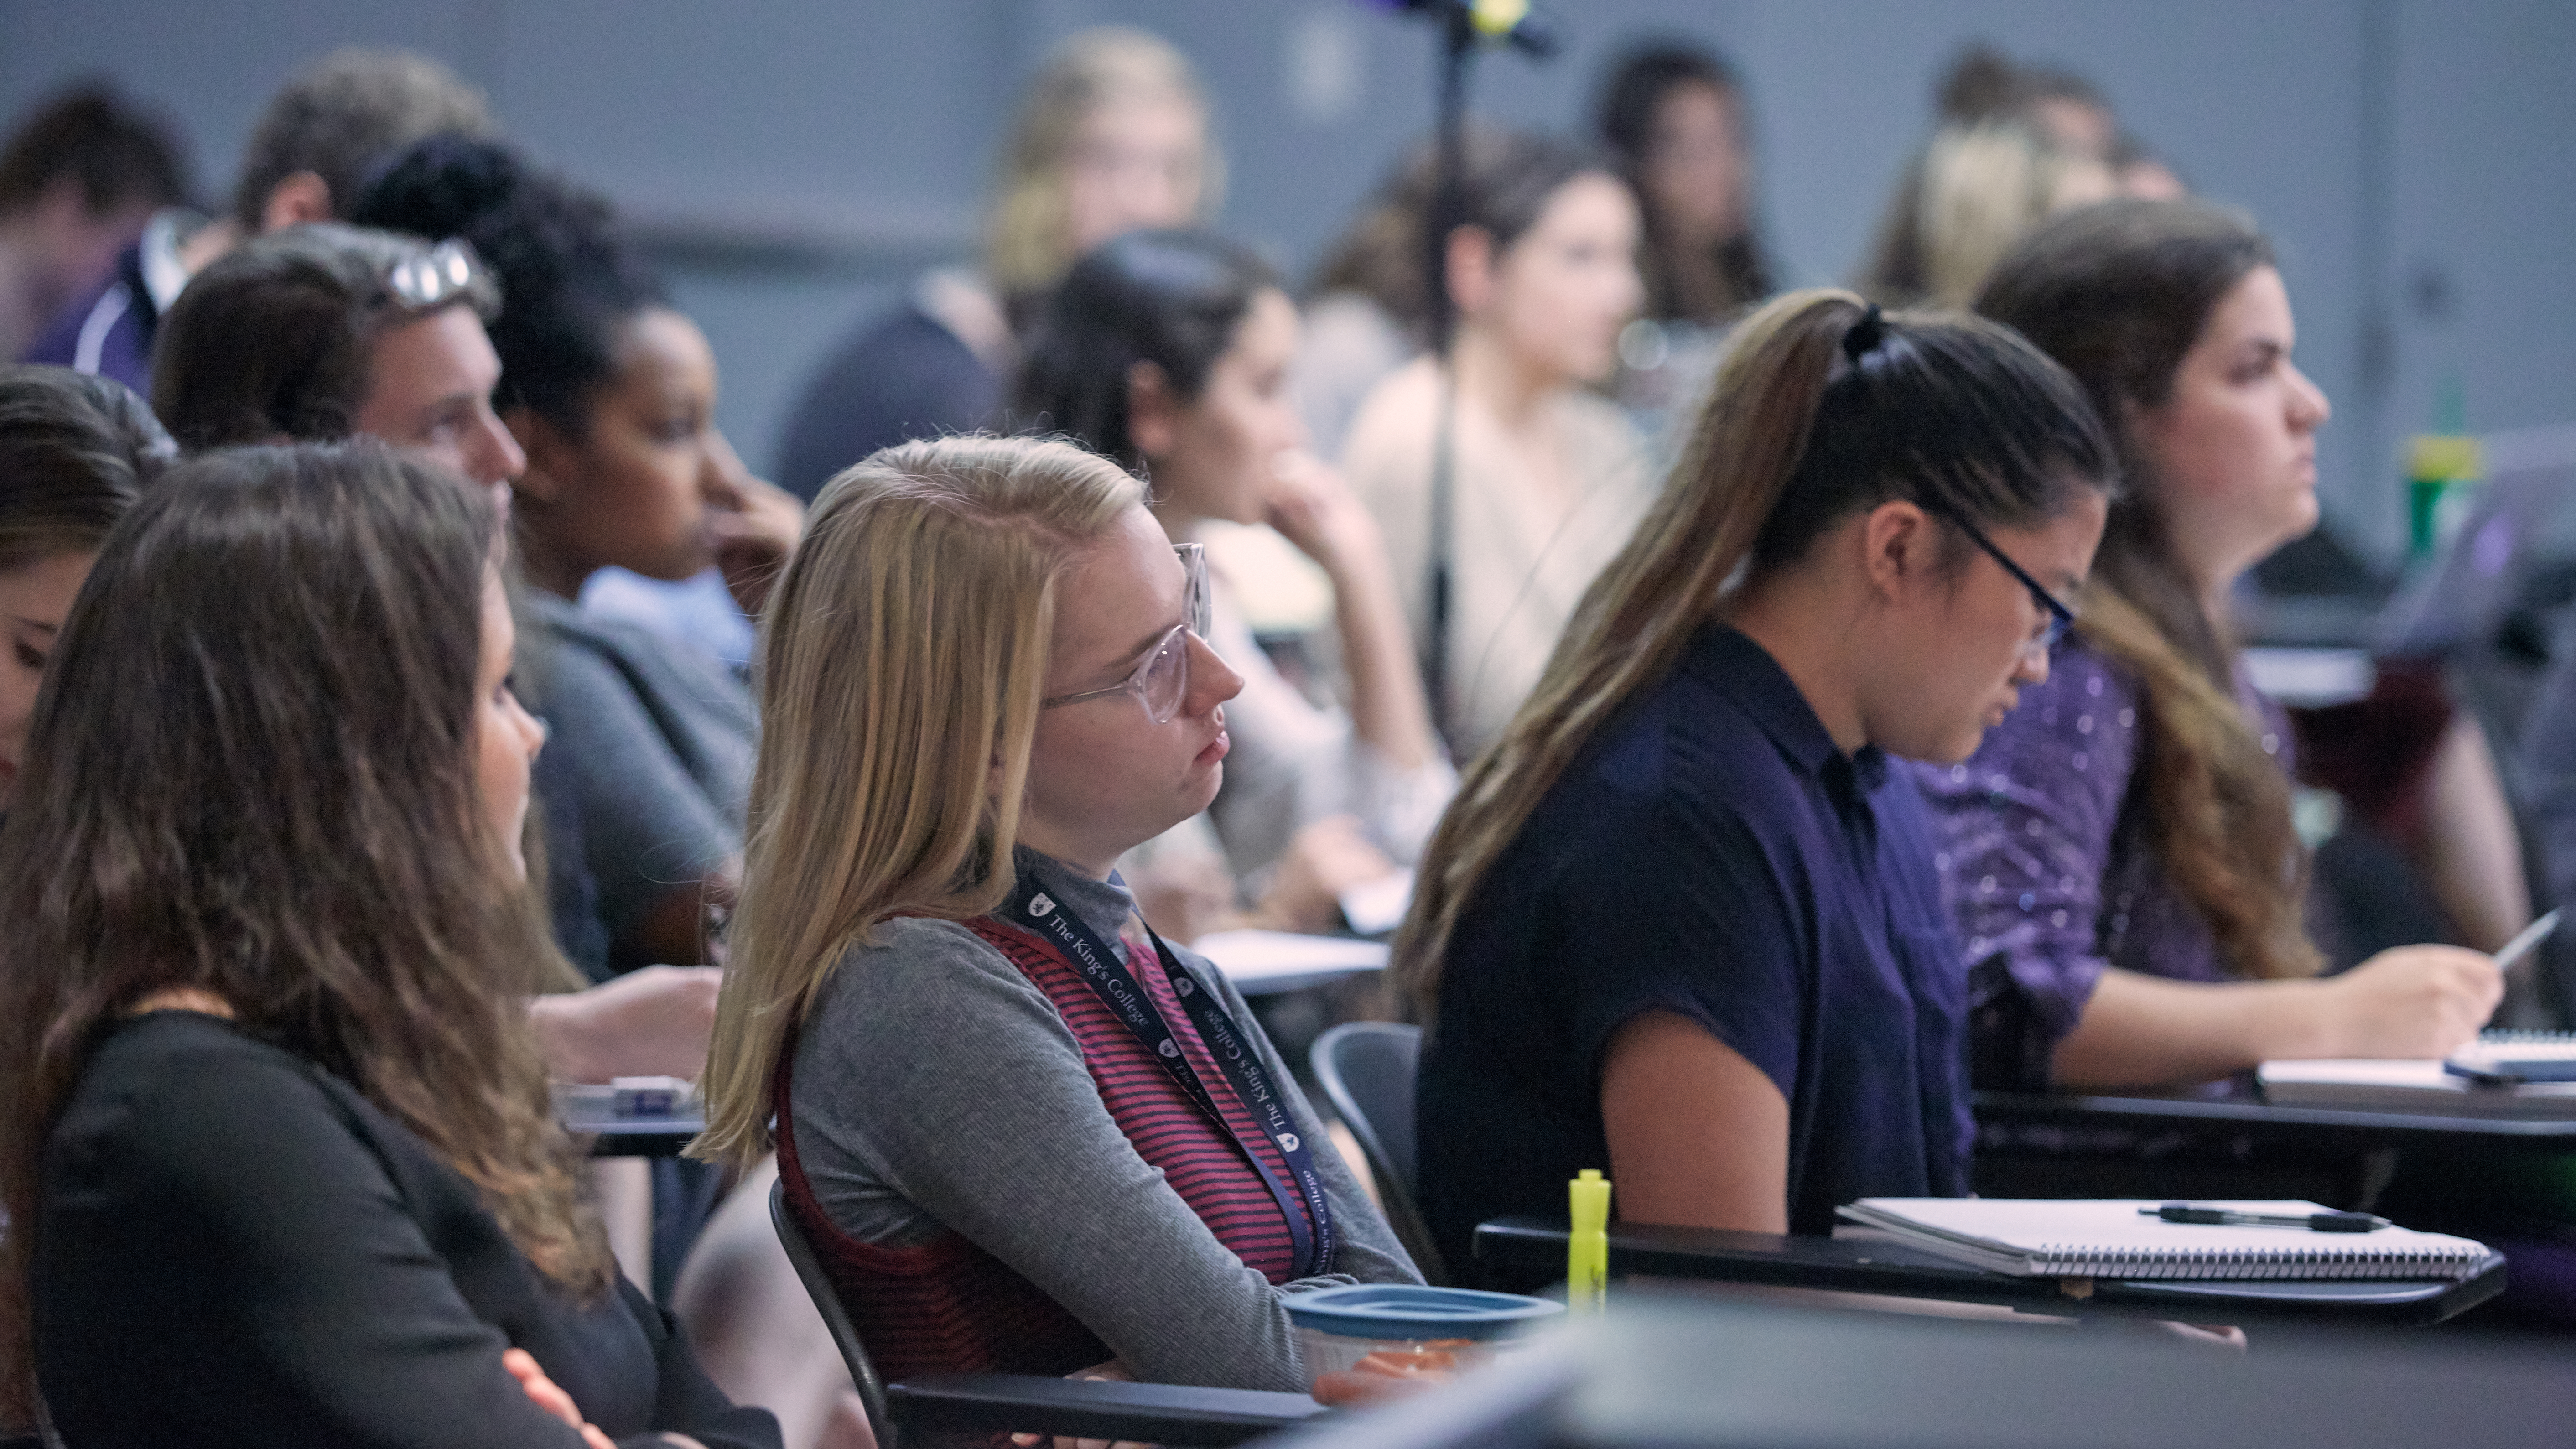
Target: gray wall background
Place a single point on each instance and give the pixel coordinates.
(796, 159)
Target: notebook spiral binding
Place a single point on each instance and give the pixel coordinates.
(2076, 1260)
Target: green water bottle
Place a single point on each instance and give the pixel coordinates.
(2439, 465)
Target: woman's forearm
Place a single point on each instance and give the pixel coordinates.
(2140, 1030)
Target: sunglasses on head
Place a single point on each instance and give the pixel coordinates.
(436, 276)
(1162, 680)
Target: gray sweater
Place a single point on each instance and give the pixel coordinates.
(936, 1087)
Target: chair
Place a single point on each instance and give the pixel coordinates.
(1366, 1069)
(947, 1405)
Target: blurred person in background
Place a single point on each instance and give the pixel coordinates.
(1367, 308)
(1168, 353)
(1549, 478)
(1673, 115)
(1975, 190)
(79, 177)
(1111, 135)
(307, 157)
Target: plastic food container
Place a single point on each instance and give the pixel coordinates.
(1369, 1340)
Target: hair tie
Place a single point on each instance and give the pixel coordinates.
(1865, 334)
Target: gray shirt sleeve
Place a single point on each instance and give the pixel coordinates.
(662, 758)
(936, 1087)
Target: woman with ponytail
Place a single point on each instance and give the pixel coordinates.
(1682, 921)
(2119, 855)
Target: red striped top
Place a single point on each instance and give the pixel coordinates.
(1205, 1165)
(945, 1305)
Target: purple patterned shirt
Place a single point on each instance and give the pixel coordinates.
(2043, 862)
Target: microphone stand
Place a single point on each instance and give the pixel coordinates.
(1449, 166)
(1460, 33)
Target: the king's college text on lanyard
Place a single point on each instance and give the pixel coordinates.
(1032, 909)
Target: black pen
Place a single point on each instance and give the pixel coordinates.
(2183, 1212)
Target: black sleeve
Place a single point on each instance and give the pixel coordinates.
(686, 1401)
(903, 377)
(1688, 915)
(224, 1259)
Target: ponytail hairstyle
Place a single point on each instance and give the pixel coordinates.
(251, 771)
(2119, 293)
(1820, 409)
(902, 660)
(1171, 298)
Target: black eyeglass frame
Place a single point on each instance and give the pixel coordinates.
(2061, 618)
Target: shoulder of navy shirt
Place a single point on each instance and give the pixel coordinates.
(1713, 854)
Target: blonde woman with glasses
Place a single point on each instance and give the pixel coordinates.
(1024, 1132)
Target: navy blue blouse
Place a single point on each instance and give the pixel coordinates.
(1714, 855)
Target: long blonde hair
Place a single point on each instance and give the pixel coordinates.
(1027, 243)
(1953, 411)
(904, 657)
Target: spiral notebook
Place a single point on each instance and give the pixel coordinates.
(2107, 1238)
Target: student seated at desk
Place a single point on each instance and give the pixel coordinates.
(2119, 855)
(279, 1157)
(1682, 922)
(984, 679)
(1167, 352)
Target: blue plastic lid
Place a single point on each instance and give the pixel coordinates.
(1408, 1310)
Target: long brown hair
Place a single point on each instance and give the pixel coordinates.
(902, 659)
(1793, 437)
(251, 771)
(2119, 293)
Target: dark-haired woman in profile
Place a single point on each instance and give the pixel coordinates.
(2120, 854)
(611, 392)
(1168, 352)
(1682, 922)
(278, 1134)
(75, 452)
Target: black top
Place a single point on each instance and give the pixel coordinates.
(903, 376)
(1714, 855)
(234, 1248)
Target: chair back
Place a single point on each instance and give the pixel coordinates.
(827, 1300)
(1366, 1069)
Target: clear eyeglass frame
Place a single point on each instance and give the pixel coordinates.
(1162, 680)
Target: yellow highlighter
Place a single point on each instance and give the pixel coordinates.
(1587, 1247)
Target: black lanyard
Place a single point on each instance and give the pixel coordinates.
(1032, 909)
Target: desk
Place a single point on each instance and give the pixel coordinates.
(1532, 1250)
(1671, 1375)
(2358, 1127)
(1272, 963)
(631, 1136)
